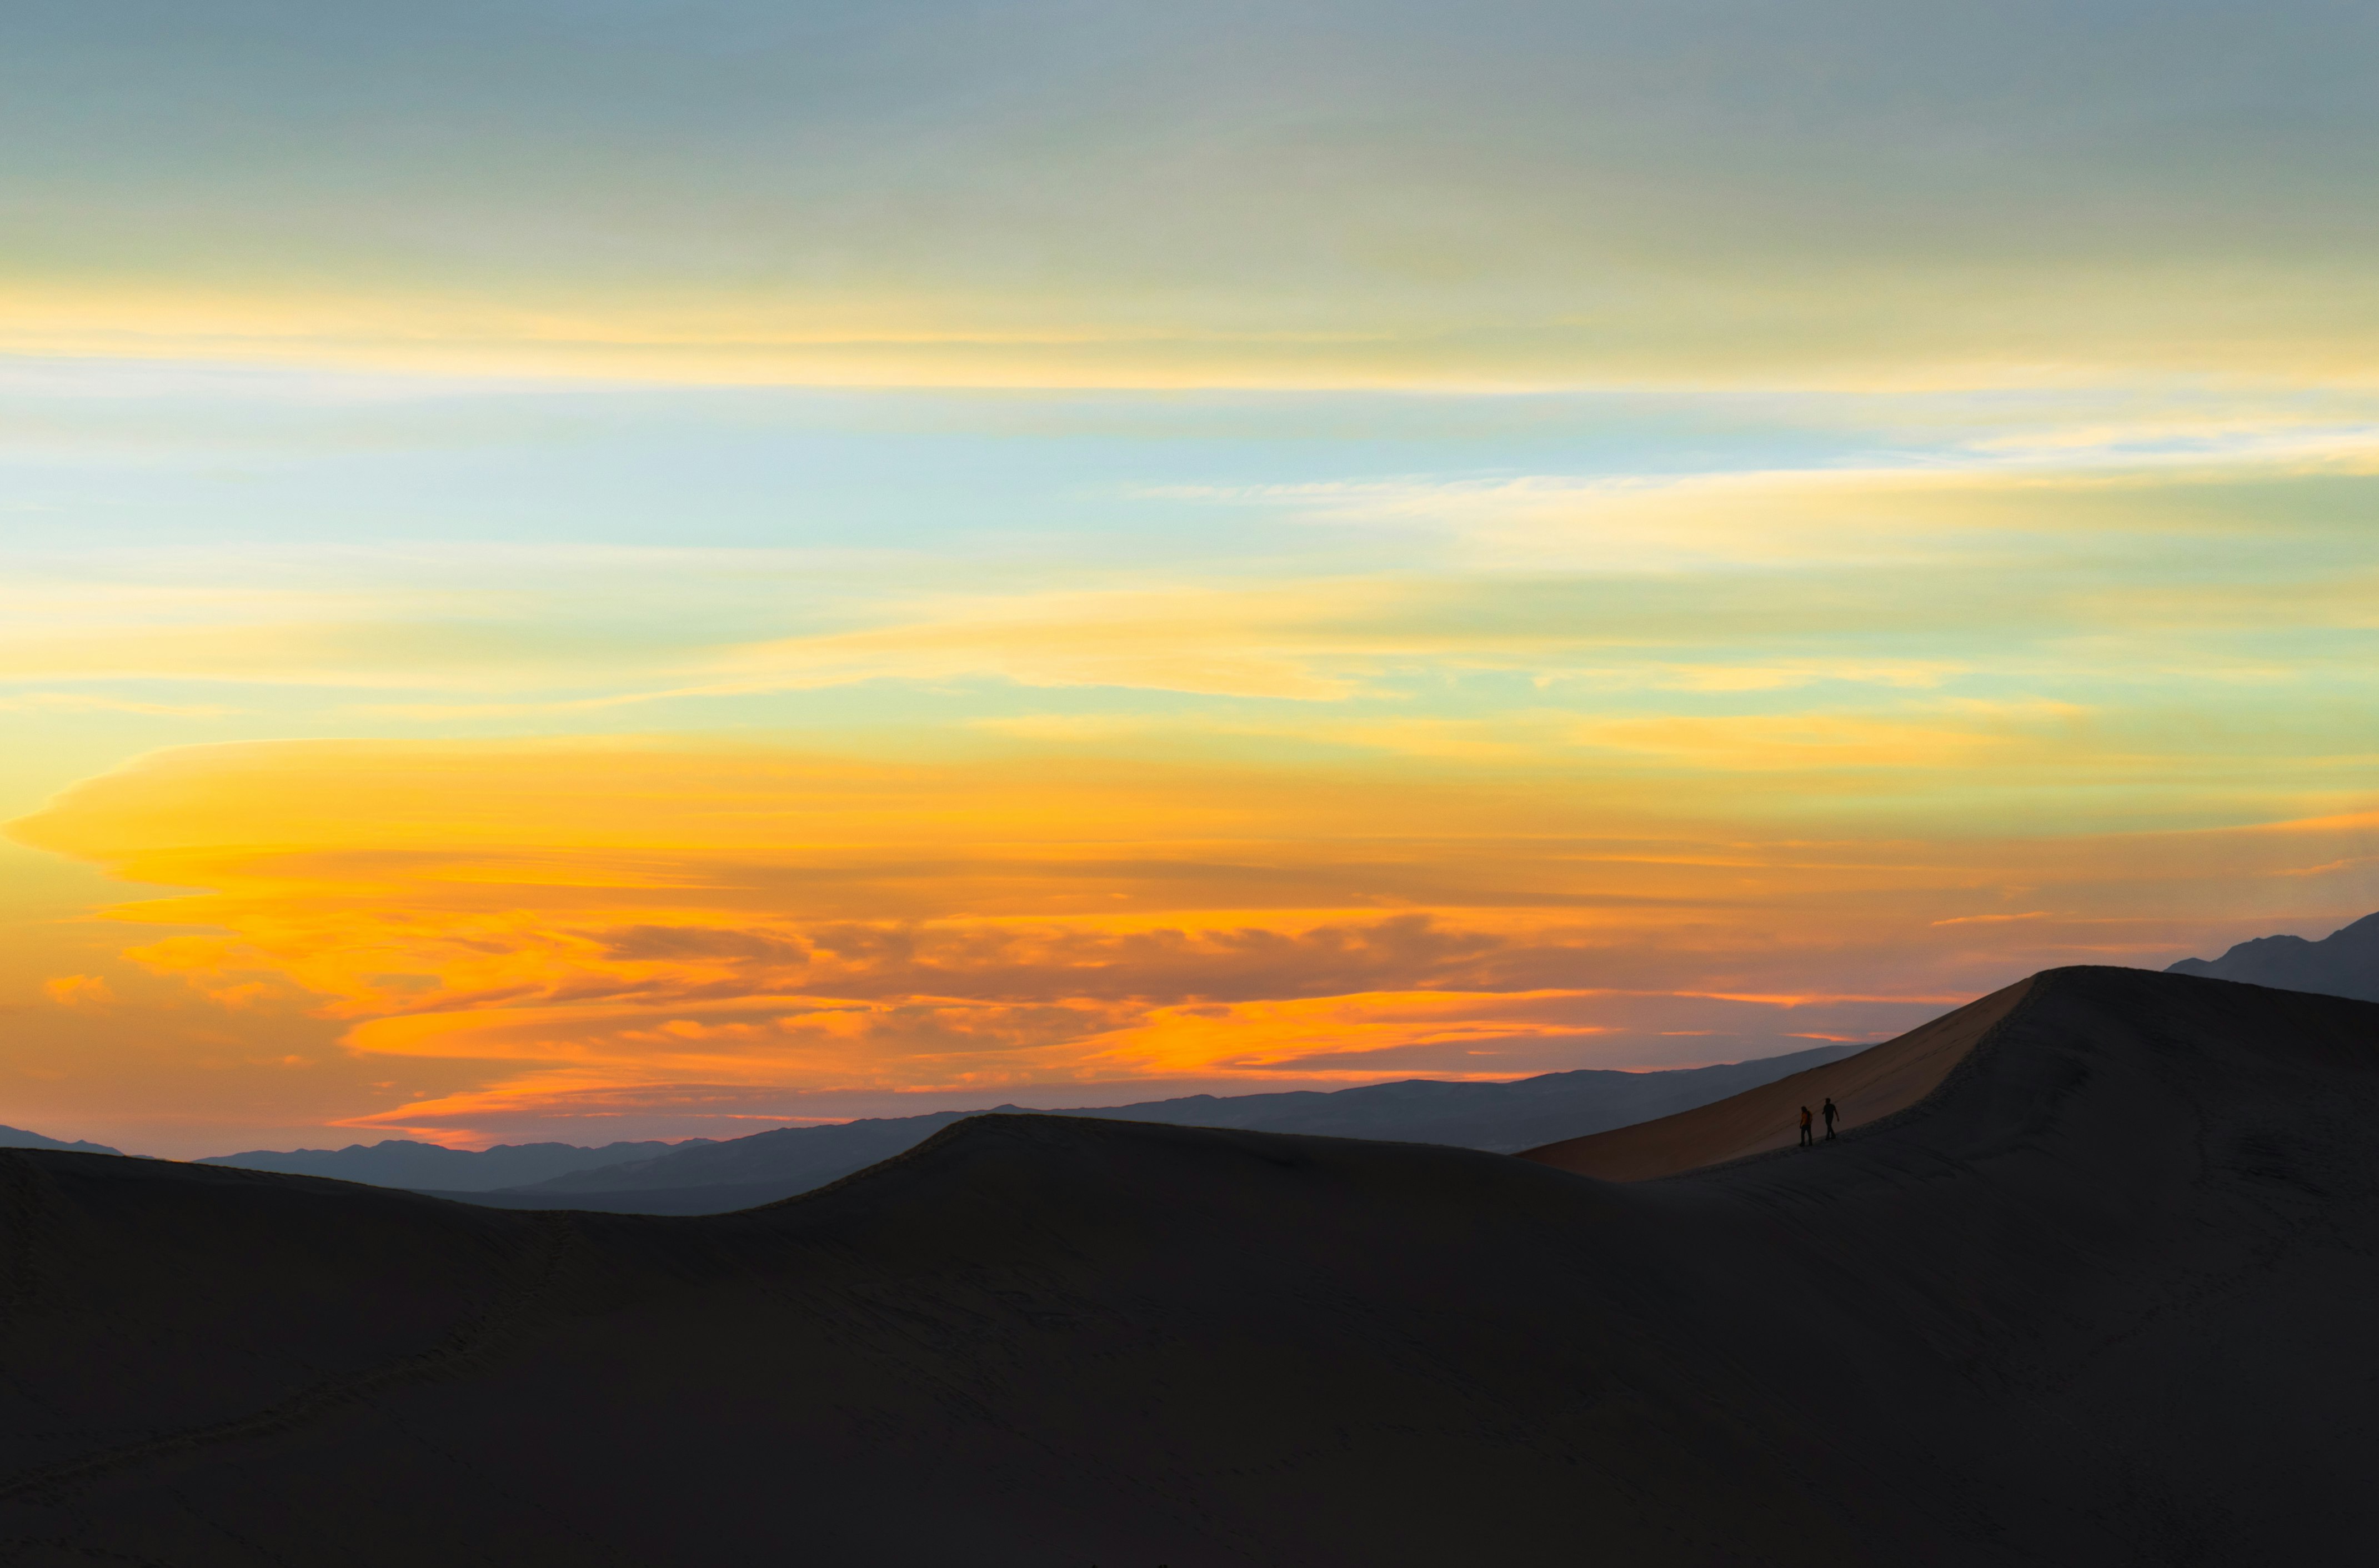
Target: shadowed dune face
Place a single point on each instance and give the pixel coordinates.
(2103, 1298)
(1875, 1083)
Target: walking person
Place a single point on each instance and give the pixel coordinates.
(1830, 1113)
(1807, 1142)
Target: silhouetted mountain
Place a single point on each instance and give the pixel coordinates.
(2344, 963)
(1503, 1117)
(2101, 1295)
(17, 1137)
(400, 1162)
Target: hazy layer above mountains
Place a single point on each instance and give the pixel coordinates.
(1499, 1117)
(2344, 963)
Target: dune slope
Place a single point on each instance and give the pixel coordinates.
(2100, 1298)
(1884, 1080)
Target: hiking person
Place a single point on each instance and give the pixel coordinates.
(1807, 1142)
(1830, 1115)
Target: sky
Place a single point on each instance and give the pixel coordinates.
(665, 568)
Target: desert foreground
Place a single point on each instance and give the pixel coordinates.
(2087, 1280)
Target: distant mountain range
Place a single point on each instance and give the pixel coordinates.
(1500, 1118)
(17, 1137)
(400, 1162)
(2344, 963)
(703, 1175)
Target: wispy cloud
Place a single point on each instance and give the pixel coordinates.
(83, 701)
(1993, 919)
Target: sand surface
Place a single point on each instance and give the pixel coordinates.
(1877, 1083)
(2104, 1298)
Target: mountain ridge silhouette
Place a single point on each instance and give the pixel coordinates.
(2344, 963)
(1500, 1118)
(17, 1137)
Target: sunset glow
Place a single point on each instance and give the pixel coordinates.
(670, 573)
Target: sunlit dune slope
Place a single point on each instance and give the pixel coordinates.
(2102, 1299)
(1875, 1083)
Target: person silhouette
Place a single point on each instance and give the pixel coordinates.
(1830, 1113)
(1807, 1142)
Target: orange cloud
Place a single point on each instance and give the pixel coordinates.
(80, 991)
(526, 931)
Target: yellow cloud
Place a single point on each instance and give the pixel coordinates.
(1966, 737)
(1269, 642)
(1850, 328)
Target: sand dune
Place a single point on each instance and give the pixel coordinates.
(2102, 1299)
(1883, 1082)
